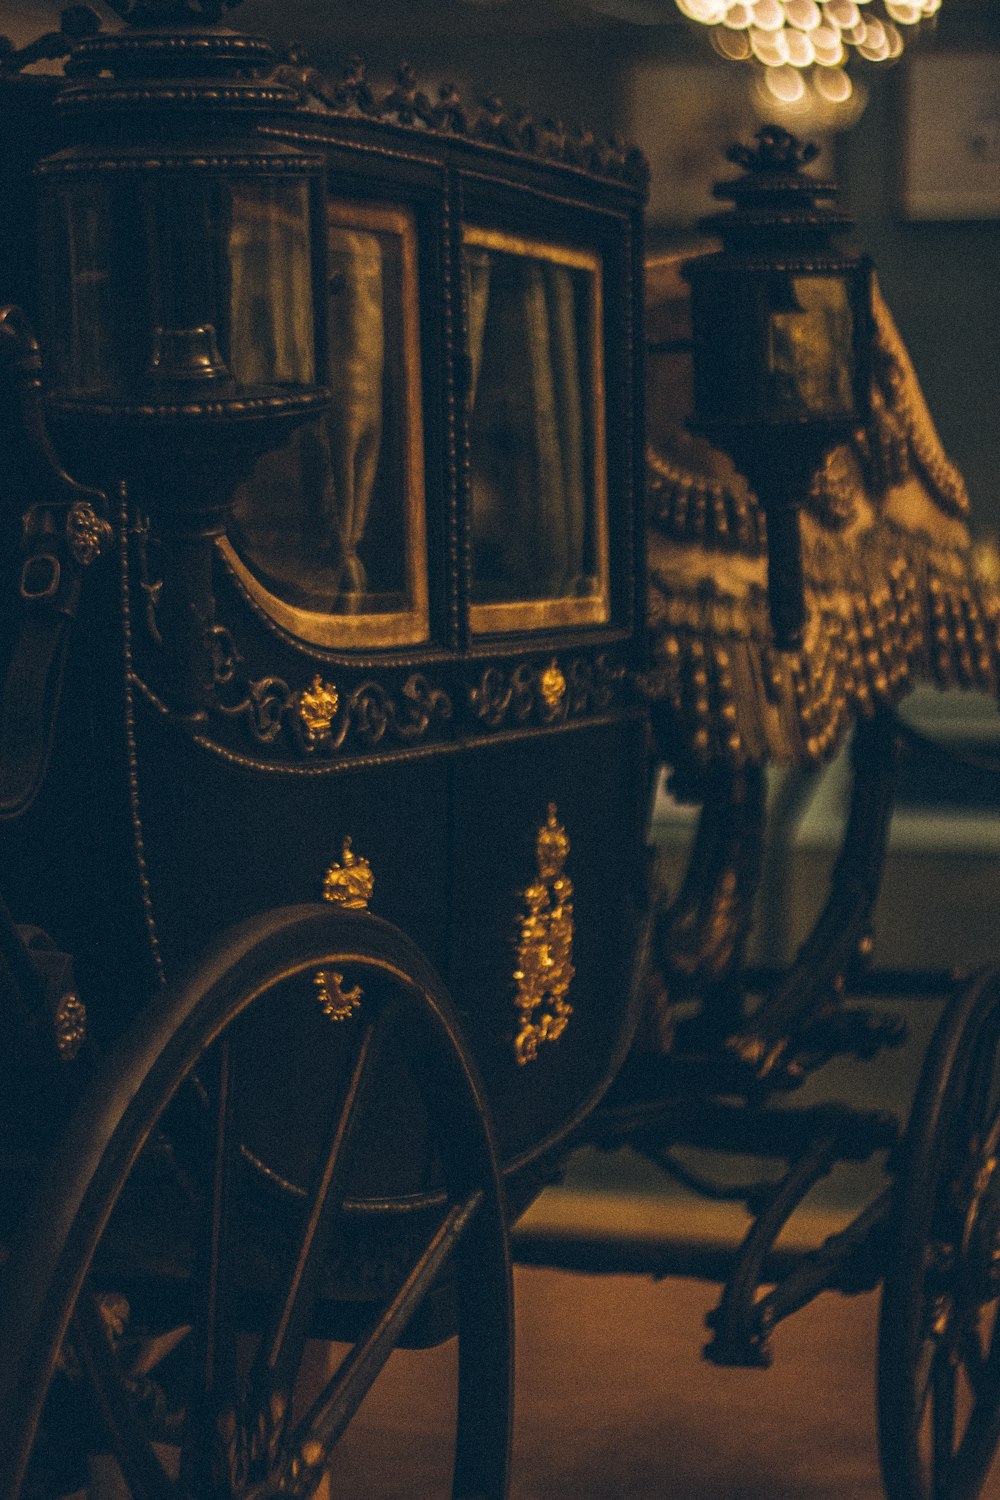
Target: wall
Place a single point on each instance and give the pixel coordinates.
(942, 281)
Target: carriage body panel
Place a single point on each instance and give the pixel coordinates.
(482, 671)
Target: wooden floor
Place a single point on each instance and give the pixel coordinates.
(615, 1403)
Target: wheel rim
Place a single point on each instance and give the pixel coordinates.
(240, 1436)
(939, 1335)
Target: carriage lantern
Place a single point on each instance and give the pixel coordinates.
(782, 328)
(179, 253)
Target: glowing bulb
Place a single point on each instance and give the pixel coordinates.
(738, 16)
(734, 46)
(874, 47)
(833, 85)
(805, 14)
(843, 13)
(905, 12)
(769, 15)
(828, 47)
(769, 47)
(785, 84)
(801, 52)
(708, 12)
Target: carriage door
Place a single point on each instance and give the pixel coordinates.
(547, 799)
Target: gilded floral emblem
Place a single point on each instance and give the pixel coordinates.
(552, 686)
(544, 969)
(317, 708)
(70, 1025)
(349, 882)
(337, 1003)
(86, 533)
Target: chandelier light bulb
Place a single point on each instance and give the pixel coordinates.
(801, 52)
(834, 85)
(738, 17)
(769, 15)
(809, 39)
(734, 46)
(805, 15)
(786, 84)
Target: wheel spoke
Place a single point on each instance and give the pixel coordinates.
(982, 1106)
(211, 1436)
(280, 1350)
(144, 1474)
(317, 1434)
(974, 1363)
(943, 1416)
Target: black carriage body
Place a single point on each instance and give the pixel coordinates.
(441, 738)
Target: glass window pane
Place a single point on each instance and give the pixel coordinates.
(139, 260)
(329, 533)
(810, 359)
(536, 433)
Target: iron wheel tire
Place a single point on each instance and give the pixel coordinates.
(939, 1329)
(239, 1435)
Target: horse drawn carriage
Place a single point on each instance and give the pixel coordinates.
(327, 745)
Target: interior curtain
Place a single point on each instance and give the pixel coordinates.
(270, 296)
(477, 299)
(357, 368)
(552, 330)
(529, 447)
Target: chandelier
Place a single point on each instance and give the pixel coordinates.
(804, 45)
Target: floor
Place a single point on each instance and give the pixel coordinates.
(614, 1401)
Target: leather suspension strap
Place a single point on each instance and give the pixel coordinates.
(62, 534)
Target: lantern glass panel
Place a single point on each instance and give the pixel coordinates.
(810, 361)
(329, 533)
(538, 489)
(137, 253)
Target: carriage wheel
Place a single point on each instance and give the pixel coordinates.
(939, 1335)
(181, 1071)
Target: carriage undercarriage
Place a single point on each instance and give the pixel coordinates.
(137, 1277)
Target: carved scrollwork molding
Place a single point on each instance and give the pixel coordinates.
(322, 718)
(546, 694)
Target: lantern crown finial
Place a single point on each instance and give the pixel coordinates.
(774, 198)
(777, 150)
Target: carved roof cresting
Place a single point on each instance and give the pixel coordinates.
(490, 121)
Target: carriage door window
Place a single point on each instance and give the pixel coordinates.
(329, 534)
(536, 433)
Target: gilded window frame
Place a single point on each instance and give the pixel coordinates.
(390, 628)
(518, 616)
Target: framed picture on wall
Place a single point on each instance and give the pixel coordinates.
(951, 141)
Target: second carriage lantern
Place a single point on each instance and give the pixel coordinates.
(180, 252)
(782, 326)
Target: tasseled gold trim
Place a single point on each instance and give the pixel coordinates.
(893, 607)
